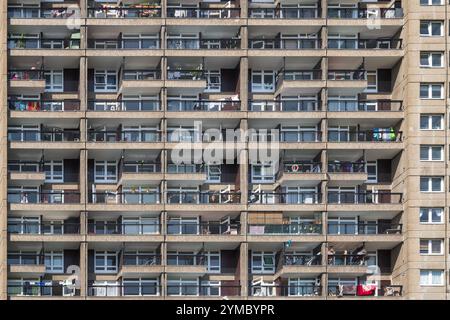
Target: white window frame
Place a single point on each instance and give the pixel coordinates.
(267, 174)
(430, 87)
(430, 122)
(428, 212)
(213, 86)
(209, 255)
(430, 24)
(428, 275)
(140, 282)
(52, 85)
(264, 268)
(429, 150)
(430, 184)
(104, 268)
(104, 86)
(52, 255)
(52, 176)
(429, 244)
(105, 177)
(429, 56)
(262, 87)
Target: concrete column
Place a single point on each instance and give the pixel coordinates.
(244, 37)
(243, 269)
(83, 92)
(244, 8)
(83, 185)
(243, 83)
(242, 158)
(3, 150)
(163, 8)
(84, 269)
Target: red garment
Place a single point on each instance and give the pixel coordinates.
(366, 290)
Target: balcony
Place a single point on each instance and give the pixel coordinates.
(203, 105)
(102, 228)
(300, 172)
(293, 264)
(371, 106)
(203, 13)
(26, 264)
(47, 228)
(124, 139)
(124, 290)
(291, 198)
(307, 228)
(209, 228)
(44, 289)
(36, 197)
(57, 106)
(139, 172)
(380, 197)
(43, 43)
(285, 44)
(301, 136)
(203, 197)
(141, 105)
(24, 12)
(290, 82)
(378, 228)
(121, 198)
(347, 172)
(36, 135)
(151, 43)
(191, 80)
(354, 44)
(379, 135)
(26, 81)
(192, 264)
(290, 106)
(30, 173)
(124, 12)
(222, 290)
(203, 44)
(140, 265)
(360, 291)
(372, 13)
(270, 290)
(284, 13)
(140, 81)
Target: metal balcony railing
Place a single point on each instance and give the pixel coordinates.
(290, 259)
(346, 75)
(129, 259)
(126, 289)
(194, 44)
(200, 197)
(284, 105)
(125, 228)
(34, 197)
(24, 12)
(185, 74)
(270, 290)
(43, 227)
(347, 167)
(301, 167)
(285, 229)
(203, 13)
(285, 198)
(203, 105)
(375, 135)
(284, 13)
(284, 44)
(44, 105)
(364, 105)
(36, 135)
(348, 44)
(349, 197)
(25, 74)
(124, 136)
(149, 197)
(204, 228)
(378, 228)
(117, 12)
(42, 43)
(124, 105)
(124, 44)
(372, 13)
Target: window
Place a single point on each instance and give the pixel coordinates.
(372, 171)
(431, 277)
(140, 41)
(431, 91)
(343, 225)
(140, 287)
(431, 28)
(431, 215)
(54, 171)
(372, 81)
(431, 59)
(140, 225)
(213, 81)
(263, 173)
(432, 122)
(431, 184)
(263, 81)
(213, 261)
(431, 2)
(106, 261)
(54, 261)
(185, 225)
(431, 246)
(431, 153)
(24, 225)
(302, 287)
(182, 287)
(105, 171)
(54, 81)
(263, 262)
(105, 80)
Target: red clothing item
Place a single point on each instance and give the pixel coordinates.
(365, 290)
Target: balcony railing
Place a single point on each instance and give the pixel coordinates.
(203, 290)
(193, 44)
(301, 136)
(375, 135)
(129, 289)
(284, 13)
(113, 228)
(270, 290)
(358, 290)
(140, 167)
(43, 135)
(44, 105)
(284, 44)
(149, 197)
(124, 136)
(25, 259)
(298, 75)
(43, 227)
(124, 44)
(41, 288)
(372, 13)
(364, 106)
(33, 197)
(141, 11)
(174, 197)
(347, 167)
(285, 198)
(204, 228)
(284, 105)
(347, 260)
(285, 229)
(123, 105)
(42, 43)
(180, 259)
(185, 74)
(129, 259)
(24, 74)
(379, 228)
(203, 105)
(23, 12)
(301, 167)
(203, 13)
(343, 75)
(346, 44)
(290, 259)
(344, 197)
